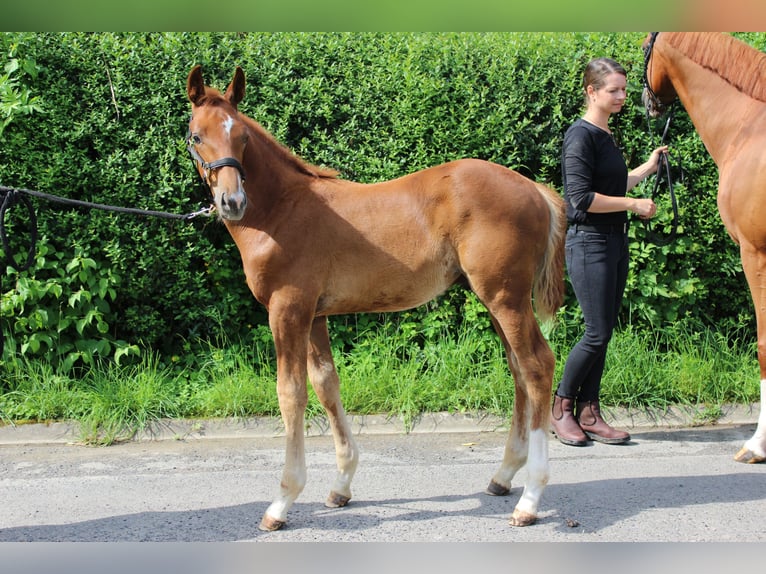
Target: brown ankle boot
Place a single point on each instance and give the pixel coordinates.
(564, 423)
(589, 417)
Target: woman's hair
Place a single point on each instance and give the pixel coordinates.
(596, 71)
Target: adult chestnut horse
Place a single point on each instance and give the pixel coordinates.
(314, 245)
(721, 82)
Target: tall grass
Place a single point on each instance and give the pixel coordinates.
(384, 371)
(384, 374)
(125, 400)
(681, 366)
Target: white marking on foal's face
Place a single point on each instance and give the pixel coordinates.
(228, 123)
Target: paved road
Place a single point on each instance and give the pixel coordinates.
(667, 485)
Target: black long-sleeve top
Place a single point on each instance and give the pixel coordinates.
(592, 163)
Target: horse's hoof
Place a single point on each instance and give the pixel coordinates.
(748, 456)
(496, 489)
(521, 518)
(270, 524)
(336, 500)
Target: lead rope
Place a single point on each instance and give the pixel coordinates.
(663, 169)
(11, 196)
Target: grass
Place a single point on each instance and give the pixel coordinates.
(680, 367)
(384, 371)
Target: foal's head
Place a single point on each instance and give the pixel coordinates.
(658, 92)
(216, 139)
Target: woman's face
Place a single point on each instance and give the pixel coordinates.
(610, 97)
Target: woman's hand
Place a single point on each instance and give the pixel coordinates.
(647, 168)
(654, 160)
(645, 208)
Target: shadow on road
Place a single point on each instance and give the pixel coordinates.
(707, 434)
(597, 504)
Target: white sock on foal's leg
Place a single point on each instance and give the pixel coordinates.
(757, 444)
(538, 473)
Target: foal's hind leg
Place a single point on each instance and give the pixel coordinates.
(324, 379)
(517, 444)
(532, 362)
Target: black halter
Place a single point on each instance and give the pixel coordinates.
(209, 166)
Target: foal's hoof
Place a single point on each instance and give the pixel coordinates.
(336, 500)
(521, 518)
(748, 456)
(270, 524)
(496, 489)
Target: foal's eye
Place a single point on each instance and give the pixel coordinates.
(196, 139)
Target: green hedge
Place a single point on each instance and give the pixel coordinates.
(113, 112)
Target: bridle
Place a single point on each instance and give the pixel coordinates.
(663, 169)
(648, 56)
(208, 167)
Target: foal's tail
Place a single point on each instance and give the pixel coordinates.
(548, 289)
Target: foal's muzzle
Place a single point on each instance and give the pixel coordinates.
(231, 206)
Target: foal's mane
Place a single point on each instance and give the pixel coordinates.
(738, 63)
(213, 97)
(284, 153)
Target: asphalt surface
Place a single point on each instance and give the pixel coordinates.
(210, 481)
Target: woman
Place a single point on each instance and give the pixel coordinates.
(596, 181)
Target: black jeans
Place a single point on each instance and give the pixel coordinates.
(597, 264)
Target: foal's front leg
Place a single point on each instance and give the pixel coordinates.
(754, 265)
(324, 379)
(290, 341)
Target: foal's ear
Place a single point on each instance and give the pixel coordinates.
(235, 93)
(195, 85)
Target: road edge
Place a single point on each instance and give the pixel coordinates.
(232, 428)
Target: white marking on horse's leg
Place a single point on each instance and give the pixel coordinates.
(757, 444)
(538, 473)
(228, 123)
(346, 457)
(324, 378)
(293, 478)
(514, 457)
(346, 451)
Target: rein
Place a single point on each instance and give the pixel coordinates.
(663, 169)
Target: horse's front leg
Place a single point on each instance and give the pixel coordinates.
(324, 379)
(290, 330)
(754, 450)
(754, 265)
